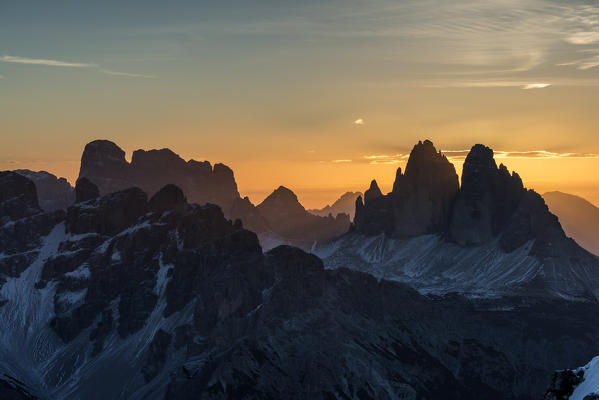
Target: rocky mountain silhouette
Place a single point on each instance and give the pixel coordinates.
(128, 297)
(285, 216)
(346, 204)
(491, 236)
(420, 201)
(103, 163)
(578, 217)
(53, 193)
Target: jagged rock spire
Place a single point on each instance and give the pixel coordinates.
(488, 197)
(373, 192)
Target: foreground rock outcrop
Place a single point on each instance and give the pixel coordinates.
(575, 384)
(165, 299)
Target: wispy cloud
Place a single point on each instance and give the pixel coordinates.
(590, 61)
(110, 72)
(375, 159)
(359, 121)
(47, 62)
(460, 155)
(530, 154)
(341, 161)
(489, 84)
(584, 38)
(536, 85)
(542, 154)
(67, 64)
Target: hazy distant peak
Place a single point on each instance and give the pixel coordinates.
(578, 216)
(283, 200)
(345, 204)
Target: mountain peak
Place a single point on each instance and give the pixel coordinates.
(281, 201)
(488, 197)
(480, 156)
(373, 192)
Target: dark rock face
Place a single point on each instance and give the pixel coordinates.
(373, 192)
(168, 198)
(421, 200)
(244, 210)
(157, 354)
(184, 304)
(563, 384)
(109, 214)
(12, 389)
(85, 190)
(424, 195)
(53, 193)
(375, 216)
(104, 164)
(22, 225)
(18, 198)
(491, 204)
(487, 199)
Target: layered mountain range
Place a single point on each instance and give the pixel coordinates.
(280, 219)
(346, 204)
(578, 217)
(126, 296)
(488, 237)
(53, 193)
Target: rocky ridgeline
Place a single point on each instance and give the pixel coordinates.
(53, 193)
(491, 203)
(283, 214)
(103, 163)
(346, 204)
(169, 300)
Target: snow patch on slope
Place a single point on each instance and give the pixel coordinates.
(435, 266)
(590, 384)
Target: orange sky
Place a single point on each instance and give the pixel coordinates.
(274, 89)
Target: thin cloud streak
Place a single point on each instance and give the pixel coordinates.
(110, 72)
(460, 155)
(67, 64)
(536, 86)
(46, 62)
(489, 84)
